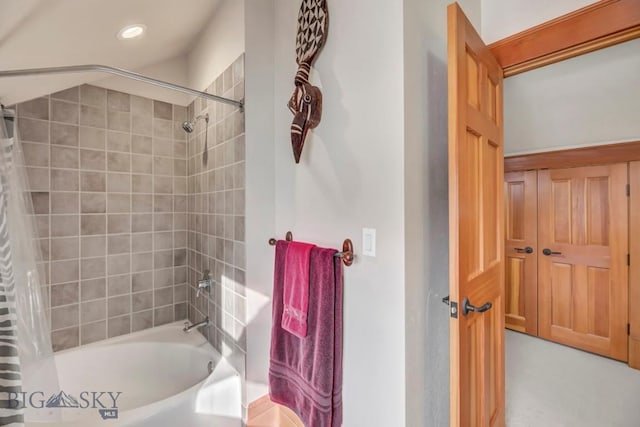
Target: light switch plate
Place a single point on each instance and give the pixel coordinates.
(369, 242)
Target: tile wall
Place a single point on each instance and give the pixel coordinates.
(108, 176)
(216, 206)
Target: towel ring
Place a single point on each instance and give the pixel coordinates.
(347, 254)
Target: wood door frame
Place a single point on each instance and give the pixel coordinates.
(634, 267)
(574, 157)
(607, 23)
(596, 26)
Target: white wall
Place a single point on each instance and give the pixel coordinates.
(43, 33)
(259, 188)
(426, 208)
(384, 132)
(503, 18)
(350, 176)
(173, 70)
(221, 42)
(219, 45)
(590, 99)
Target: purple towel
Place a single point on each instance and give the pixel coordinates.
(296, 288)
(305, 374)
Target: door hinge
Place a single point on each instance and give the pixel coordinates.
(628, 190)
(628, 328)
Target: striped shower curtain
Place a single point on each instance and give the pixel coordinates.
(10, 376)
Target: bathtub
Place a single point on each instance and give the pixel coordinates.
(163, 377)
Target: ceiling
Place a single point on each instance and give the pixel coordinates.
(47, 33)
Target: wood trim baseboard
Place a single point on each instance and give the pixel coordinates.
(599, 25)
(584, 156)
(262, 412)
(259, 406)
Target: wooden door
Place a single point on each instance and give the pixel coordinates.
(634, 268)
(521, 256)
(476, 232)
(583, 247)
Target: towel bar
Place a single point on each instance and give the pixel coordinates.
(346, 254)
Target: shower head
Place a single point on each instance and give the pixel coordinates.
(189, 126)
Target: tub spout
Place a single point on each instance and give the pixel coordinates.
(188, 328)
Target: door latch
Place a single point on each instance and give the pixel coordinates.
(453, 307)
(527, 250)
(547, 252)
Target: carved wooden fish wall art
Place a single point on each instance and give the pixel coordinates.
(306, 101)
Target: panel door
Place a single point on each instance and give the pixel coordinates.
(583, 247)
(521, 256)
(476, 231)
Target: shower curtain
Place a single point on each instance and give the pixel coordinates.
(10, 376)
(26, 356)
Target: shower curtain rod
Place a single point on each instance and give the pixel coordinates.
(122, 73)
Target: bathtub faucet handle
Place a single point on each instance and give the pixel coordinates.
(204, 283)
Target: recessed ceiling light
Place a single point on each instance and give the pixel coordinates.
(131, 31)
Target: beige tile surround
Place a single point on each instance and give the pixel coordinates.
(216, 215)
(107, 171)
(130, 210)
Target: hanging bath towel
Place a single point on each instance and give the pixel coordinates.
(295, 295)
(305, 374)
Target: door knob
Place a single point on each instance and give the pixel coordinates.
(528, 250)
(467, 307)
(547, 252)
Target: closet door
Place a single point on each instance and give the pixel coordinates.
(582, 258)
(521, 267)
